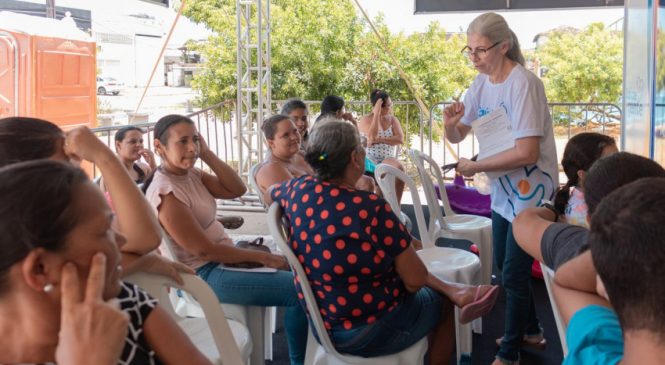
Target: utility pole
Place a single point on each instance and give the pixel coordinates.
(50, 9)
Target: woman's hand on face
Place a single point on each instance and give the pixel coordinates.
(82, 144)
(466, 167)
(453, 113)
(87, 321)
(376, 110)
(276, 261)
(148, 156)
(204, 150)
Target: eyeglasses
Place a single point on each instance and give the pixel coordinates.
(479, 52)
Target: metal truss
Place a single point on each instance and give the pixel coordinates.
(254, 80)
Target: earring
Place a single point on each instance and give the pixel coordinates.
(48, 288)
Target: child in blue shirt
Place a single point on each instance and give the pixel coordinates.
(627, 249)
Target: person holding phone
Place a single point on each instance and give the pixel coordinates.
(523, 176)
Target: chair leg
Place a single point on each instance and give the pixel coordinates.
(256, 325)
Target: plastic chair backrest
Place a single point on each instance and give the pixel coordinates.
(192, 308)
(419, 159)
(385, 175)
(156, 286)
(252, 182)
(278, 232)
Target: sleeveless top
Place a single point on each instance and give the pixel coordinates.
(141, 173)
(380, 151)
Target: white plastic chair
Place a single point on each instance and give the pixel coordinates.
(325, 352)
(548, 277)
(252, 182)
(469, 227)
(230, 343)
(257, 319)
(446, 263)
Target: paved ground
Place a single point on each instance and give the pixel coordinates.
(158, 101)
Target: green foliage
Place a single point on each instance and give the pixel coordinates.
(323, 47)
(583, 66)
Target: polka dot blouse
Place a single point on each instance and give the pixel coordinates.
(347, 241)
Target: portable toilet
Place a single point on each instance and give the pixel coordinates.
(47, 70)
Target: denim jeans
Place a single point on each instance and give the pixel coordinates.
(411, 320)
(515, 265)
(263, 289)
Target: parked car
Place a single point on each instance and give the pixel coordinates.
(108, 85)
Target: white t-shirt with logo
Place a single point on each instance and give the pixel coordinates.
(522, 95)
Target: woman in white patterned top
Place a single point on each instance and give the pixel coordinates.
(60, 278)
(384, 133)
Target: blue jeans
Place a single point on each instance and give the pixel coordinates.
(516, 267)
(262, 289)
(410, 321)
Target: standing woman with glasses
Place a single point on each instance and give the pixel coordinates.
(523, 176)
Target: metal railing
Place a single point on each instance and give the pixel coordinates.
(214, 124)
(218, 125)
(568, 120)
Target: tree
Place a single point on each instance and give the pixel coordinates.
(322, 47)
(584, 66)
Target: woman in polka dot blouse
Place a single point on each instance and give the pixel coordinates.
(375, 295)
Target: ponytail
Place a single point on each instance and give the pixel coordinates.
(562, 196)
(515, 53)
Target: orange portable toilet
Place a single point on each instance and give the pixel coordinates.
(47, 70)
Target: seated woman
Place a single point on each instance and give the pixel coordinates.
(384, 133)
(59, 264)
(369, 281)
(297, 111)
(333, 106)
(26, 139)
(129, 149)
(284, 160)
(184, 199)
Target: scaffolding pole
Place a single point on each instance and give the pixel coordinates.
(253, 80)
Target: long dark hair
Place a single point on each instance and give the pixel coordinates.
(580, 153)
(161, 133)
(35, 211)
(26, 139)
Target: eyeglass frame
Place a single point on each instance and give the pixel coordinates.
(468, 53)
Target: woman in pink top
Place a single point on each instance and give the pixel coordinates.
(184, 198)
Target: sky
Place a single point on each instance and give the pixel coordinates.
(398, 16)
(526, 25)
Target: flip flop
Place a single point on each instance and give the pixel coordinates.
(480, 305)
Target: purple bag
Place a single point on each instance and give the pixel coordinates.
(466, 200)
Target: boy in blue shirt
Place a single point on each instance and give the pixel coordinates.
(627, 248)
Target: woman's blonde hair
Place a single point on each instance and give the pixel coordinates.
(494, 27)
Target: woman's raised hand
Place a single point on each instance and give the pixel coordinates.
(453, 113)
(82, 144)
(149, 157)
(92, 331)
(377, 107)
(203, 147)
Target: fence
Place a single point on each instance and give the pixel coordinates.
(218, 126)
(568, 120)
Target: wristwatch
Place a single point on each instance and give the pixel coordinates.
(550, 205)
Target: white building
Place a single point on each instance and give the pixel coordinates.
(130, 35)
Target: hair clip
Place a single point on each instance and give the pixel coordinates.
(323, 156)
